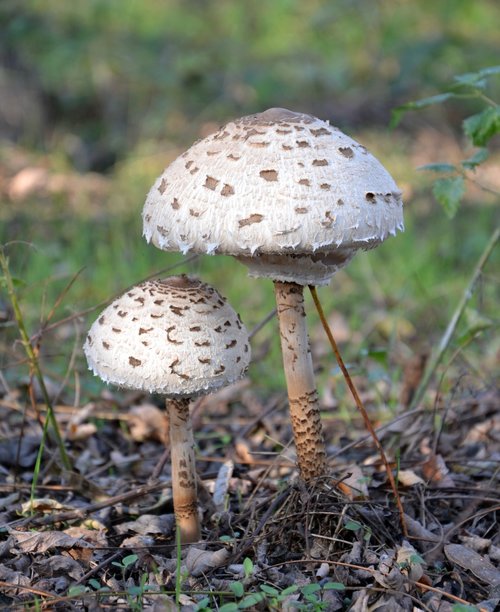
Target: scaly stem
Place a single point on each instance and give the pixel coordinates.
(183, 470)
(299, 373)
(361, 407)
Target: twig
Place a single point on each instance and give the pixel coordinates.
(81, 513)
(437, 356)
(262, 323)
(361, 407)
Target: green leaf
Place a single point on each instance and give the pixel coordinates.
(448, 192)
(95, 584)
(489, 71)
(463, 608)
(237, 588)
(269, 590)
(471, 79)
(247, 567)
(308, 589)
(129, 560)
(416, 559)
(74, 591)
(439, 167)
(472, 162)
(203, 603)
(482, 126)
(476, 323)
(353, 525)
(334, 586)
(289, 590)
(251, 600)
(399, 111)
(229, 607)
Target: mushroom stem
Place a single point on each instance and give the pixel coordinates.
(299, 373)
(183, 470)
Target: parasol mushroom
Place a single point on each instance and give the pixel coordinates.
(180, 338)
(292, 198)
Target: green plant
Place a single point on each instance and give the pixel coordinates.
(271, 598)
(478, 129)
(31, 350)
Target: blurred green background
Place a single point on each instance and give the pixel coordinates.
(97, 96)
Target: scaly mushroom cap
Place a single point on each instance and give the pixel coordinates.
(274, 185)
(176, 336)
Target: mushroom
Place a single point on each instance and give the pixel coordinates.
(293, 198)
(180, 338)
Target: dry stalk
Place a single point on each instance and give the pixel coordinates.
(361, 408)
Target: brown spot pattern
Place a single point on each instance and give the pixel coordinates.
(227, 190)
(346, 152)
(211, 183)
(162, 186)
(255, 218)
(269, 175)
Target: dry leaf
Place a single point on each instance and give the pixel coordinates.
(470, 560)
(147, 422)
(43, 504)
(199, 561)
(388, 573)
(42, 541)
(436, 471)
(408, 478)
(355, 484)
(412, 375)
(81, 431)
(409, 561)
(59, 564)
(149, 523)
(221, 485)
(13, 578)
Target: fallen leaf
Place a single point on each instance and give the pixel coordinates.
(474, 562)
(42, 541)
(43, 504)
(59, 564)
(198, 561)
(148, 422)
(355, 484)
(13, 578)
(221, 485)
(436, 471)
(408, 478)
(149, 523)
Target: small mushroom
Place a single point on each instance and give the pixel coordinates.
(180, 338)
(298, 210)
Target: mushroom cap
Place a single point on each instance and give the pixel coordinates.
(176, 336)
(271, 185)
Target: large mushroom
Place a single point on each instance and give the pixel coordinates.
(180, 338)
(293, 198)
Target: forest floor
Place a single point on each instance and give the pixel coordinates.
(102, 536)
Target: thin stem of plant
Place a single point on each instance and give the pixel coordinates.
(33, 359)
(361, 407)
(437, 355)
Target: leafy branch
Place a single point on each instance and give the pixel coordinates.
(478, 129)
